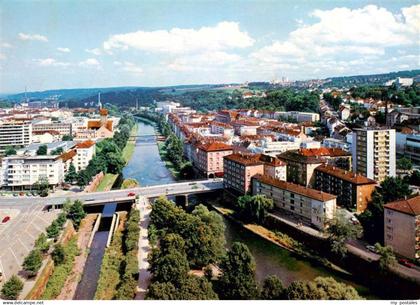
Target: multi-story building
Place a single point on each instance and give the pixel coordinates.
(311, 206)
(273, 148)
(22, 172)
(412, 148)
(298, 116)
(14, 134)
(336, 143)
(239, 169)
(210, 158)
(373, 151)
(402, 227)
(353, 190)
(84, 153)
(302, 163)
(62, 128)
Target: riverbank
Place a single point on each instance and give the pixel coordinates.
(128, 150)
(168, 163)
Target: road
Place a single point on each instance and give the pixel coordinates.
(147, 191)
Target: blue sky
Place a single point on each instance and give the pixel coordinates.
(71, 44)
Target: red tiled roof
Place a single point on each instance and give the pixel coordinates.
(103, 111)
(345, 175)
(53, 132)
(323, 151)
(85, 144)
(68, 155)
(409, 206)
(246, 160)
(295, 188)
(214, 146)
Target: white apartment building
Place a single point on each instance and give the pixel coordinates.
(298, 116)
(336, 143)
(13, 133)
(273, 148)
(62, 128)
(373, 153)
(22, 172)
(311, 206)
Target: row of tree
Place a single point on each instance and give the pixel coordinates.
(407, 96)
(182, 241)
(108, 157)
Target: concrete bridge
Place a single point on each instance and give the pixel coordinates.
(120, 196)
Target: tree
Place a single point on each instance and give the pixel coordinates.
(171, 267)
(12, 288)
(127, 288)
(322, 288)
(387, 258)
(53, 230)
(161, 291)
(254, 208)
(414, 178)
(404, 164)
(237, 281)
(76, 213)
(71, 175)
(43, 186)
(187, 170)
(115, 163)
(196, 288)
(272, 288)
(58, 255)
(9, 151)
(42, 150)
(57, 151)
(393, 189)
(340, 231)
(32, 262)
(67, 137)
(42, 243)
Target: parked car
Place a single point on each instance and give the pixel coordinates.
(5, 219)
(371, 248)
(406, 262)
(131, 194)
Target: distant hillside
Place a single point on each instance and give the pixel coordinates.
(373, 79)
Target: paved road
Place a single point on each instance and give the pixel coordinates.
(148, 191)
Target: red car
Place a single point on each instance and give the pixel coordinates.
(5, 219)
(131, 194)
(406, 262)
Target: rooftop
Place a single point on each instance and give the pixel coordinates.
(345, 175)
(295, 188)
(85, 144)
(215, 146)
(410, 206)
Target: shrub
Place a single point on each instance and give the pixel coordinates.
(58, 255)
(33, 262)
(42, 243)
(12, 288)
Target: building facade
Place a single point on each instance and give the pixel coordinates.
(311, 206)
(14, 134)
(210, 158)
(353, 190)
(373, 152)
(402, 227)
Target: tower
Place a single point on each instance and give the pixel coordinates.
(99, 101)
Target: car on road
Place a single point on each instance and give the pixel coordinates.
(131, 194)
(406, 262)
(5, 219)
(371, 248)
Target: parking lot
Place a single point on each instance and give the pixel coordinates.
(17, 236)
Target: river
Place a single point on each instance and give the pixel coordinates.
(147, 167)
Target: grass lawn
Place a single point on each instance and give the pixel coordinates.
(169, 165)
(107, 182)
(129, 147)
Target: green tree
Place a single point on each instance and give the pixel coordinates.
(237, 281)
(272, 288)
(404, 164)
(172, 267)
(42, 150)
(387, 256)
(42, 243)
(67, 137)
(161, 291)
(127, 288)
(43, 186)
(254, 208)
(340, 231)
(9, 151)
(393, 189)
(32, 262)
(76, 213)
(71, 175)
(57, 151)
(12, 288)
(195, 288)
(322, 288)
(53, 230)
(58, 255)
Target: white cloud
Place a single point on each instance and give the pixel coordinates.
(6, 45)
(2, 56)
(132, 68)
(37, 37)
(203, 61)
(90, 63)
(64, 50)
(342, 36)
(225, 35)
(95, 51)
(51, 62)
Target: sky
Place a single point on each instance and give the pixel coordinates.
(84, 44)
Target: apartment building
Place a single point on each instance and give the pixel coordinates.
(336, 143)
(62, 128)
(14, 133)
(210, 158)
(85, 151)
(353, 190)
(373, 152)
(402, 227)
(298, 116)
(309, 205)
(22, 172)
(302, 163)
(273, 148)
(412, 148)
(239, 169)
